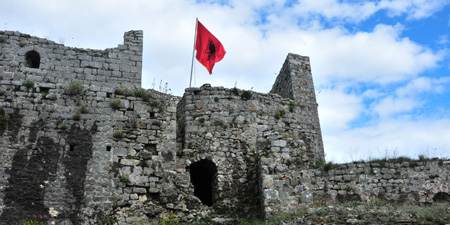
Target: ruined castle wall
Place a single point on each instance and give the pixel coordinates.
(76, 159)
(68, 164)
(412, 182)
(58, 64)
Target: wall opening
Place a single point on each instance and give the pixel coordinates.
(203, 177)
(441, 197)
(32, 59)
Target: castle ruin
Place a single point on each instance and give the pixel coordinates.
(112, 151)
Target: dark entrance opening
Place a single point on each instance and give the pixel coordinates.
(203, 177)
(441, 197)
(32, 59)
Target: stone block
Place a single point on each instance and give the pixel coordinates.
(129, 162)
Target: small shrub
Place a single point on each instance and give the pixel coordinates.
(115, 103)
(235, 91)
(28, 83)
(76, 116)
(63, 127)
(123, 91)
(246, 95)
(277, 115)
(229, 97)
(119, 134)
(422, 157)
(291, 106)
(2, 40)
(282, 112)
(142, 93)
(84, 109)
(123, 179)
(319, 163)
(348, 188)
(74, 88)
(201, 120)
(328, 166)
(216, 99)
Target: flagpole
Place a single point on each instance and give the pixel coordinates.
(193, 49)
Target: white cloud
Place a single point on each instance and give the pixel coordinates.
(391, 105)
(430, 137)
(337, 109)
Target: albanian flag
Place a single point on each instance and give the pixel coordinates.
(209, 49)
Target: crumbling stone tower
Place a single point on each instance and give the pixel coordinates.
(243, 139)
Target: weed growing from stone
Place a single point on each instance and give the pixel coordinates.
(123, 179)
(76, 116)
(84, 109)
(115, 103)
(235, 91)
(28, 83)
(2, 40)
(74, 88)
(291, 106)
(142, 93)
(216, 99)
(123, 91)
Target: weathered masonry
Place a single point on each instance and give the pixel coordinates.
(82, 143)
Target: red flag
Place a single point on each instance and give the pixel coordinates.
(209, 49)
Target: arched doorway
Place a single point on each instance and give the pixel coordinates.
(441, 197)
(32, 59)
(203, 177)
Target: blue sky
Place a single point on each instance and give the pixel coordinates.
(381, 68)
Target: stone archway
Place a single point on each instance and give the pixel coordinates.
(204, 178)
(32, 59)
(441, 197)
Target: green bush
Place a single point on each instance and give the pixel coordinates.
(84, 109)
(216, 99)
(246, 95)
(235, 91)
(123, 179)
(328, 166)
(74, 88)
(28, 83)
(142, 93)
(115, 103)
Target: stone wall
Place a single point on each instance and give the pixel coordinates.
(26, 57)
(412, 182)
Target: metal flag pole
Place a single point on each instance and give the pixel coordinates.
(193, 49)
